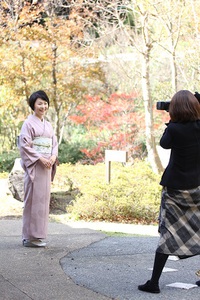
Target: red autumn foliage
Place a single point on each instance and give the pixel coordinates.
(113, 123)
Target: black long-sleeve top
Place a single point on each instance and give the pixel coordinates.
(183, 169)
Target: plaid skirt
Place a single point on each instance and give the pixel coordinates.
(179, 222)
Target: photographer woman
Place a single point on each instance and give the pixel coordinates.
(179, 220)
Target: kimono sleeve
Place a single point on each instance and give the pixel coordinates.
(28, 155)
(54, 146)
(54, 152)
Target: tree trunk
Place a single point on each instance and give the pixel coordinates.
(174, 72)
(153, 157)
(54, 84)
(152, 153)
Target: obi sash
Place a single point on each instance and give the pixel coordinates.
(42, 145)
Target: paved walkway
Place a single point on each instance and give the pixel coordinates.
(82, 263)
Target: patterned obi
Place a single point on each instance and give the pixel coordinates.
(42, 144)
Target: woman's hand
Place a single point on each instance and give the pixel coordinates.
(46, 162)
(52, 159)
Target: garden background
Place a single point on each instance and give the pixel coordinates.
(104, 64)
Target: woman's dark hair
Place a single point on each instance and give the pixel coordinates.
(184, 107)
(39, 94)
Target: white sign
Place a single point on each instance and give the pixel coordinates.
(114, 155)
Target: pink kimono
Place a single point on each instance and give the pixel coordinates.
(37, 179)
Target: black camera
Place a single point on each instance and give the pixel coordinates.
(164, 105)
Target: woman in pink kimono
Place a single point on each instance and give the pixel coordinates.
(38, 149)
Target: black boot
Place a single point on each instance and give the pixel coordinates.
(198, 282)
(152, 286)
(149, 287)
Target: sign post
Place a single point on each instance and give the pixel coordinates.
(114, 155)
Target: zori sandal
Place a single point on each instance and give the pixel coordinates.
(34, 243)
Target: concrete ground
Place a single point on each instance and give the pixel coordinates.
(81, 262)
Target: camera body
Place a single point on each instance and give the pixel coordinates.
(164, 105)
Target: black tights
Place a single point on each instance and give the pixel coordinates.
(159, 263)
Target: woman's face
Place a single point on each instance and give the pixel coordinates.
(40, 108)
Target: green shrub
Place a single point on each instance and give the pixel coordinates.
(7, 159)
(74, 140)
(70, 152)
(133, 194)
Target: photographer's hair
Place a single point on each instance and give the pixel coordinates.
(39, 94)
(184, 107)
